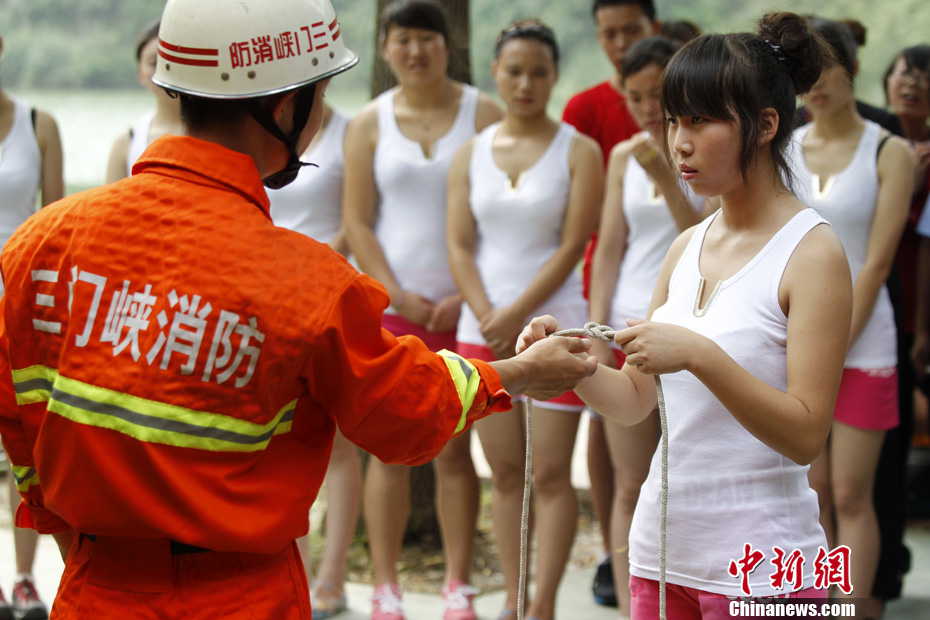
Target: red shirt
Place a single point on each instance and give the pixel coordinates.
(172, 365)
(601, 113)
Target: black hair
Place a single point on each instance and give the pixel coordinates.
(915, 57)
(422, 14)
(681, 30)
(648, 6)
(201, 112)
(735, 77)
(147, 34)
(841, 39)
(646, 52)
(533, 29)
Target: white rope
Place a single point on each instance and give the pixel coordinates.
(605, 333)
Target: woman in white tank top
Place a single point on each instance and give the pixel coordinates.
(523, 198)
(312, 205)
(31, 174)
(860, 180)
(645, 209)
(398, 152)
(748, 331)
(164, 119)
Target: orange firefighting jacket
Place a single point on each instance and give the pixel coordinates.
(172, 365)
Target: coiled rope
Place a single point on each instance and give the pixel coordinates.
(604, 333)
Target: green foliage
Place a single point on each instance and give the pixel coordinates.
(89, 43)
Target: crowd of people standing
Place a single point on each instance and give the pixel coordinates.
(475, 213)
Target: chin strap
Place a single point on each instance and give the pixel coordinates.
(303, 106)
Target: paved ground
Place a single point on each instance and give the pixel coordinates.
(574, 601)
(574, 598)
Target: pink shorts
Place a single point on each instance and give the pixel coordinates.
(683, 603)
(567, 401)
(436, 341)
(868, 398)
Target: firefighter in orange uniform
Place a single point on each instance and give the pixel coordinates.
(172, 366)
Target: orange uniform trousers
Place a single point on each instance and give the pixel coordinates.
(129, 579)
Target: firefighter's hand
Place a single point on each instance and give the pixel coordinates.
(539, 328)
(554, 365)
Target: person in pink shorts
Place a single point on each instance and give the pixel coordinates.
(523, 200)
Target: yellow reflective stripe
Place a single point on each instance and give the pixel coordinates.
(26, 477)
(466, 379)
(33, 384)
(149, 420)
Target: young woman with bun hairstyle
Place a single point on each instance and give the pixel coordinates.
(397, 156)
(645, 209)
(523, 200)
(747, 330)
(860, 178)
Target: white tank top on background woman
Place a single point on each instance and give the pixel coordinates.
(520, 228)
(20, 172)
(138, 140)
(651, 229)
(411, 224)
(312, 204)
(848, 202)
(726, 487)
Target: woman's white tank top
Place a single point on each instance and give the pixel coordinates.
(312, 204)
(727, 488)
(651, 229)
(20, 172)
(411, 224)
(520, 228)
(848, 202)
(138, 140)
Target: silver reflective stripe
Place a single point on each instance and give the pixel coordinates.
(161, 424)
(30, 473)
(33, 384)
(465, 368)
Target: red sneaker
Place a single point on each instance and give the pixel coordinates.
(26, 601)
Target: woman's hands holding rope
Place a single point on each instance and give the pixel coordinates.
(652, 348)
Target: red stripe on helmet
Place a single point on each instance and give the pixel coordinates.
(196, 51)
(188, 61)
(336, 34)
(334, 24)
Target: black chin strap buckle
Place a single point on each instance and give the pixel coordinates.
(303, 106)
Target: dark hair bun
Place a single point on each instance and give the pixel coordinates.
(804, 52)
(858, 30)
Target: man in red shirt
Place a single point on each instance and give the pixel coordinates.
(173, 366)
(601, 113)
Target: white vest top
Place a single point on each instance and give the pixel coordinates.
(20, 172)
(727, 488)
(520, 228)
(848, 202)
(411, 224)
(138, 140)
(312, 204)
(651, 229)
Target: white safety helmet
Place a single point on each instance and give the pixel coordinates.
(238, 49)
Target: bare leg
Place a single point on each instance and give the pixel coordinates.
(386, 509)
(502, 439)
(819, 477)
(556, 503)
(854, 458)
(631, 450)
(344, 493)
(601, 474)
(24, 540)
(457, 497)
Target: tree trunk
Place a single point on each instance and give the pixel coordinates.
(423, 525)
(458, 12)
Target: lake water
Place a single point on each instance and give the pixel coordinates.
(90, 120)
